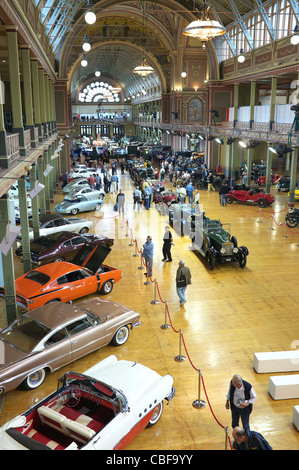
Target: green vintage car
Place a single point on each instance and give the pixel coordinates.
(215, 242)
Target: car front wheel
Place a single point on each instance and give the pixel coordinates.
(84, 230)
(292, 221)
(242, 260)
(229, 199)
(74, 211)
(262, 202)
(156, 415)
(34, 380)
(106, 287)
(121, 336)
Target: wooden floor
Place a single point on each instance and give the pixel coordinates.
(231, 313)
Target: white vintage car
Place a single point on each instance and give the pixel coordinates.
(82, 173)
(87, 191)
(76, 184)
(53, 223)
(103, 409)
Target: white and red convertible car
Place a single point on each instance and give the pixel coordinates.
(103, 409)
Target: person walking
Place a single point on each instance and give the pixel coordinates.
(210, 182)
(120, 201)
(167, 242)
(189, 191)
(183, 279)
(223, 191)
(137, 198)
(249, 440)
(114, 181)
(148, 255)
(240, 399)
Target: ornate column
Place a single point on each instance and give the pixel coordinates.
(8, 263)
(4, 163)
(42, 94)
(36, 98)
(24, 224)
(35, 215)
(28, 92)
(15, 86)
(273, 101)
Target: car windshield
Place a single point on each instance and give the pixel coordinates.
(37, 276)
(24, 334)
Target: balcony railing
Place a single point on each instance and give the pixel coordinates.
(13, 147)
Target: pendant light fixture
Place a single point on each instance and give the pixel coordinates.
(90, 16)
(144, 69)
(204, 28)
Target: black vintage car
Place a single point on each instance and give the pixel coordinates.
(210, 238)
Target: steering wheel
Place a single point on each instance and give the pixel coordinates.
(74, 397)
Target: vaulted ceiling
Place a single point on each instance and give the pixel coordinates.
(124, 32)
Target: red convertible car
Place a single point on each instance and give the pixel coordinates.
(65, 281)
(252, 196)
(274, 179)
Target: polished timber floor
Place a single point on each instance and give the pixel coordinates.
(230, 314)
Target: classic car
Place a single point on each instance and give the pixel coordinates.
(53, 223)
(165, 198)
(54, 335)
(275, 178)
(86, 191)
(203, 183)
(296, 194)
(292, 218)
(61, 246)
(253, 196)
(82, 173)
(65, 281)
(76, 184)
(214, 242)
(104, 408)
(78, 204)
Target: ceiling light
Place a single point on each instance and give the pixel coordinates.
(241, 57)
(184, 74)
(97, 73)
(204, 28)
(86, 46)
(143, 70)
(295, 37)
(242, 144)
(84, 62)
(90, 16)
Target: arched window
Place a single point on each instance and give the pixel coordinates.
(98, 91)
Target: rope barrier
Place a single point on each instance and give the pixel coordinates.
(279, 224)
(179, 357)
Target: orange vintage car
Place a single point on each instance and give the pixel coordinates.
(65, 281)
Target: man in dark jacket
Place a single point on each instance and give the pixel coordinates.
(240, 399)
(250, 440)
(183, 279)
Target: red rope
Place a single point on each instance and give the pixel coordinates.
(184, 343)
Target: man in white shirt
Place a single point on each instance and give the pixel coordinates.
(240, 399)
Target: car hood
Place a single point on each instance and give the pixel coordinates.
(91, 257)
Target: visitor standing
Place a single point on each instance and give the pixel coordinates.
(183, 279)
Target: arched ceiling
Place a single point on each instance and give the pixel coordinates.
(124, 33)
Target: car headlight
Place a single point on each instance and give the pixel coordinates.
(222, 251)
(235, 250)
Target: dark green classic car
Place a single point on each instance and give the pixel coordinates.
(215, 242)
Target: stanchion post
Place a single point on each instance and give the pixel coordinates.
(226, 437)
(165, 326)
(199, 403)
(136, 251)
(155, 301)
(179, 357)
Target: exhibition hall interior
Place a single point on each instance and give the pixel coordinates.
(149, 225)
